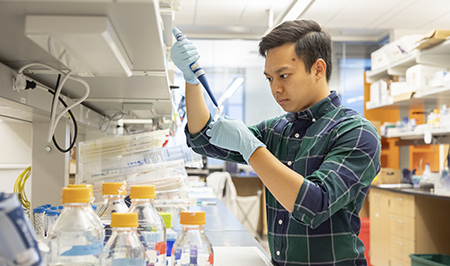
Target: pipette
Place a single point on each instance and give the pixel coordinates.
(200, 74)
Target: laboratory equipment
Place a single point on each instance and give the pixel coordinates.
(171, 235)
(199, 73)
(51, 217)
(39, 222)
(151, 230)
(113, 196)
(192, 247)
(75, 238)
(124, 246)
(18, 245)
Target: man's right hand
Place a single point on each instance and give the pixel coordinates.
(183, 53)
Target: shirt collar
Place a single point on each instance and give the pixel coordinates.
(318, 110)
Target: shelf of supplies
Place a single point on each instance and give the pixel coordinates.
(395, 69)
(436, 95)
(438, 55)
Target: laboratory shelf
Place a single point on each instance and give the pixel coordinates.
(438, 55)
(436, 96)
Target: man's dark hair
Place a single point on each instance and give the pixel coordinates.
(311, 43)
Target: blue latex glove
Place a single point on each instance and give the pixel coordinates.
(233, 135)
(183, 53)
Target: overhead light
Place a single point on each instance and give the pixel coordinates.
(230, 90)
(89, 46)
(293, 12)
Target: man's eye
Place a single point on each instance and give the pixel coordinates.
(284, 76)
(269, 78)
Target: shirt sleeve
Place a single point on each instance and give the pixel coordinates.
(350, 166)
(200, 144)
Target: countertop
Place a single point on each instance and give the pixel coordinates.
(426, 192)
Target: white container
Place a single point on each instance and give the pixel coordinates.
(419, 77)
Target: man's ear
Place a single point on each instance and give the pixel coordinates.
(320, 68)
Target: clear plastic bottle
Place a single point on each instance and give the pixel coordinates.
(113, 196)
(75, 238)
(124, 246)
(51, 217)
(151, 230)
(39, 222)
(171, 235)
(91, 194)
(192, 246)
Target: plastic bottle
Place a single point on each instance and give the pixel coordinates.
(39, 222)
(91, 194)
(171, 235)
(75, 238)
(151, 230)
(51, 217)
(124, 246)
(113, 196)
(192, 246)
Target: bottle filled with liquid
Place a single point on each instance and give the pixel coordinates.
(192, 246)
(113, 201)
(124, 246)
(75, 238)
(151, 230)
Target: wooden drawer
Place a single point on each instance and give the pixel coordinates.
(402, 204)
(399, 262)
(403, 226)
(401, 248)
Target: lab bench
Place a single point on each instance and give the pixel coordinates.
(406, 221)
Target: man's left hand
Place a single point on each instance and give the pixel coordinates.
(233, 135)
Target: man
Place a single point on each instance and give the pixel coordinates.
(316, 161)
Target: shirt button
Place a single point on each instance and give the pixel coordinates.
(280, 221)
(278, 253)
(297, 135)
(314, 120)
(289, 163)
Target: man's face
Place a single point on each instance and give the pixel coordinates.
(292, 86)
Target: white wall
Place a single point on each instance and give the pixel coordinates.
(15, 153)
(258, 100)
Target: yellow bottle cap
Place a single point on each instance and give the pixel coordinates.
(114, 188)
(83, 185)
(124, 219)
(193, 218)
(167, 218)
(142, 192)
(75, 195)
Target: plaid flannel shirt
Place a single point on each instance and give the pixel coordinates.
(338, 152)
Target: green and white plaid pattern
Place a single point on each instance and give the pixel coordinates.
(338, 152)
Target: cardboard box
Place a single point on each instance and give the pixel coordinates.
(389, 176)
(433, 38)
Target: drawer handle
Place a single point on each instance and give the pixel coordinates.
(399, 243)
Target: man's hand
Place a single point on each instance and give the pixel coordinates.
(183, 53)
(233, 135)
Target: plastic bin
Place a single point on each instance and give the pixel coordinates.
(429, 259)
